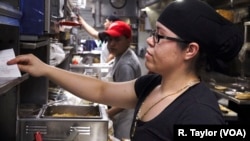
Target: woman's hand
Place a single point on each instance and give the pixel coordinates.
(30, 64)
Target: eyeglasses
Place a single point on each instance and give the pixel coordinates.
(157, 37)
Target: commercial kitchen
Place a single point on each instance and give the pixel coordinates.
(29, 106)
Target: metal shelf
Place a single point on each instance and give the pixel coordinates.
(9, 11)
(94, 52)
(7, 83)
(33, 45)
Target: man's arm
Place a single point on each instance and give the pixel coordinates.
(88, 28)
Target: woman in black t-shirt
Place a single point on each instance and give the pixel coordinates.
(187, 34)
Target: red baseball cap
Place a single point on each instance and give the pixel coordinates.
(119, 28)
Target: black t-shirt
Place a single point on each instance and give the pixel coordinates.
(198, 105)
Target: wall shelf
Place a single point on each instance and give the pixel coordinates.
(7, 84)
(33, 45)
(9, 11)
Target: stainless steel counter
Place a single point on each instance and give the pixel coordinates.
(232, 98)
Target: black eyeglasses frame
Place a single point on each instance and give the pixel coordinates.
(157, 37)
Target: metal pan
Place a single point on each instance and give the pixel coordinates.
(71, 111)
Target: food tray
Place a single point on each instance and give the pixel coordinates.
(71, 111)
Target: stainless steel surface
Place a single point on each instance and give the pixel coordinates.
(66, 129)
(153, 11)
(96, 69)
(232, 98)
(145, 3)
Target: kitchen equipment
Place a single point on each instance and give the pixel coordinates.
(88, 123)
(101, 69)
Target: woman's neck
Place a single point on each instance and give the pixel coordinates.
(170, 84)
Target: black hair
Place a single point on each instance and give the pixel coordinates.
(113, 18)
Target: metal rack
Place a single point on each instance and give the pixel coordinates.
(9, 89)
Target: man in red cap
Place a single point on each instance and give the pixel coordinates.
(118, 32)
(126, 67)
(105, 55)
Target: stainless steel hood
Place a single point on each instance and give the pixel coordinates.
(153, 11)
(155, 7)
(145, 3)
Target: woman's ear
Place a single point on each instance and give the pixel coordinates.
(192, 50)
